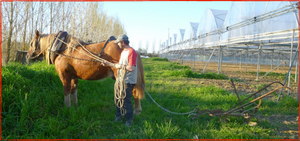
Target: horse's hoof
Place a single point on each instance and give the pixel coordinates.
(137, 112)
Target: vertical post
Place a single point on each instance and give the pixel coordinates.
(258, 62)
(241, 61)
(194, 62)
(296, 73)
(182, 58)
(298, 90)
(296, 53)
(220, 60)
(291, 56)
(278, 60)
(272, 60)
(247, 57)
(208, 60)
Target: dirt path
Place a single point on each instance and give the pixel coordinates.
(245, 83)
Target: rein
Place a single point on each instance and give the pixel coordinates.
(87, 53)
(77, 58)
(39, 53)
(108, 40)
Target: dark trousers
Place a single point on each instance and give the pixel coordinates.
(127, 104)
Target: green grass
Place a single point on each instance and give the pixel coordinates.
(33, 107)
(160, 67)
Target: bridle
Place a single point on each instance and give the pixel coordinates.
(35, 50)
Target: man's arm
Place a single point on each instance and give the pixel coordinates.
(118, 66)
(127, 67)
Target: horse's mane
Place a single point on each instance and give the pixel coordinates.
(47, 39)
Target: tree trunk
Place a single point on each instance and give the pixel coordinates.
(51, 17)
(25, 26)
(9, 33)
(32, 17)
(42, 16)
(63, 16)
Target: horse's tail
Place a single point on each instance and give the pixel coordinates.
(139, 91)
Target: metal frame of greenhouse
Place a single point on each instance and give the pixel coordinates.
(258, 29)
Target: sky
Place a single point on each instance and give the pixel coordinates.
(155, 22)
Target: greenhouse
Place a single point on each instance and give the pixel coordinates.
(257, 33)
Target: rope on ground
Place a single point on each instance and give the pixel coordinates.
(187, 113)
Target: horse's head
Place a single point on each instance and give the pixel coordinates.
(34, 52)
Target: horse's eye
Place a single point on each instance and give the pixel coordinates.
(31, 44)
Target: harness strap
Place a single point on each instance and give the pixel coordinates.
(56, 45)
(107, 41)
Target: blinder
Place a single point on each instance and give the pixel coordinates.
(34, 47)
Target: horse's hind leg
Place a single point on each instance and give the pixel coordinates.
(137, 103)
(74, 86)
(137, 106)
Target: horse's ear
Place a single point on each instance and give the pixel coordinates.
(37, 34)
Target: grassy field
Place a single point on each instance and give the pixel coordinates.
(33, 107)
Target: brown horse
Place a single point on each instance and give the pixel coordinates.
(73, 63)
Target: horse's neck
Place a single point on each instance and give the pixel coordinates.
(45, 42)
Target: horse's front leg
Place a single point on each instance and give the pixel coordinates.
(66, 81)
(74, 86)
(67, 88)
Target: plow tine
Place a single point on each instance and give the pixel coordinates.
(230, 111)
(257, 106)
(236, 91)
(255, 94)
(233, 110)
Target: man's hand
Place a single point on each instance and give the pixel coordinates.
(103, 64)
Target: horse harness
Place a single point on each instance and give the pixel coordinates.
(57, 44)
(107, 41)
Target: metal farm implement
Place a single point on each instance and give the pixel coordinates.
(243, 108)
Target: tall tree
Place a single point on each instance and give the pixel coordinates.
(25, 21)
(11, 21)
(63, 16)
(32, 17)
(51, 17)
(42, 17)
(21, 19)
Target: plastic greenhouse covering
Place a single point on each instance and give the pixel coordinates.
(211, 20)
(245, 24)
(241, 11)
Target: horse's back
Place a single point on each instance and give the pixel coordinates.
(82, 62)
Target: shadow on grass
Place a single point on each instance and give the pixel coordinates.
(26, 98)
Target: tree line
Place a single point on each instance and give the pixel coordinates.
(84, 20)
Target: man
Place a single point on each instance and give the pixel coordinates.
(127, 59)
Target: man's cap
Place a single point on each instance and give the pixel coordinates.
(122, 37)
